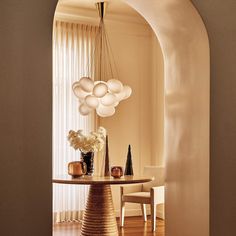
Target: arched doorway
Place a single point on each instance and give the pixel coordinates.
(184, 44)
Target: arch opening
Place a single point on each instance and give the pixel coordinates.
(184, 43)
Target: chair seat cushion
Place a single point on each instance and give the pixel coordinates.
(138, 197)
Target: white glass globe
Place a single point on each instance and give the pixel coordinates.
(75, 84)
(81, 100)
(86, 84)
(114, 85)
(127, 91)
(100, 89)
(84, 109)
(108, 100)
(105, 111)
(79, 92)
(116, 104)
(120, 96)
(91, 101)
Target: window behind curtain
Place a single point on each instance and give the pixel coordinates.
(72, 50)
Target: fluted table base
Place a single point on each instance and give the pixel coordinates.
(99, 216)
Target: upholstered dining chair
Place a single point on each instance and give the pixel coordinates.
(148, 193)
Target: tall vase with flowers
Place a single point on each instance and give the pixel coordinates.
(88, 144)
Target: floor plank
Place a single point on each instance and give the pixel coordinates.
(134, 226)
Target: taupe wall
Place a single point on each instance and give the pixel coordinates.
(25, 121)
(25, 117)
(220, 20)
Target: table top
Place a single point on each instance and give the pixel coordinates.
(88, 180)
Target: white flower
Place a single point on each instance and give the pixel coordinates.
(102, 131)
(91, 143)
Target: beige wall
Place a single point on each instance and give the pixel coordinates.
(157, 103)
(131, 122)
(185, 48)
(135, 50)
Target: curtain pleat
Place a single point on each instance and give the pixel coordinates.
(72, 49)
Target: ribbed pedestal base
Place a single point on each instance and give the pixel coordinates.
(99, 217)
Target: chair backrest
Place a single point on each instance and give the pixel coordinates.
(158, 172)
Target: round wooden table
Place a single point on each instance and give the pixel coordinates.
(99, 216)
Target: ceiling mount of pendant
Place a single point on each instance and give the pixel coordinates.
(101, 7)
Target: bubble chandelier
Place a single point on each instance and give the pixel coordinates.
(98, 95)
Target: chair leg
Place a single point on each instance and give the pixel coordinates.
(143, 207)
(153, 215)
(122, 213)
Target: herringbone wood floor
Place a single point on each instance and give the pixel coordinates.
(134, 226)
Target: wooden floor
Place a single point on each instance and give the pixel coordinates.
(134, 226)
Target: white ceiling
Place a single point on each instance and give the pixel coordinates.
(114, 6)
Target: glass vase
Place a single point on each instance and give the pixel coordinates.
(88, 158)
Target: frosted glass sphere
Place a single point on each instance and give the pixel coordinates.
(75, 84)
(81, 100)
(120, 96)
(100, 89)
(84, 109)
(127, 91)
(108, 100)
(116, 104)
(91, 101)
(86, 84)
(114, 85)
(105, 111)
(79, 92)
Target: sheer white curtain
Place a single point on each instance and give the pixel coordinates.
(72, 50)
